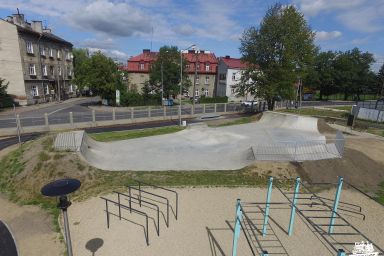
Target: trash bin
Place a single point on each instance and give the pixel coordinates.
(350, 120)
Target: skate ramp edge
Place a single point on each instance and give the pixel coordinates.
(289, 121)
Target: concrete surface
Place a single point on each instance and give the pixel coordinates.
(223, 148)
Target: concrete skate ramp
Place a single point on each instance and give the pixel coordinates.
(277, 137)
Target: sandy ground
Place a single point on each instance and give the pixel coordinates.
(31, 228)
(206, 216)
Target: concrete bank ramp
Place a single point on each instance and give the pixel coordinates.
(276, 137)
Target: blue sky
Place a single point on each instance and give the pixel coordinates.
(122, 28)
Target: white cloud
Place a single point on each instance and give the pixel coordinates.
(314, 7)
(324, 35)
(114, 54)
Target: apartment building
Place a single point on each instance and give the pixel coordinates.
(203, 63)
(230, 71)
(37, 63)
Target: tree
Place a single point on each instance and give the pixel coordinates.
(81, 67)
(322, 75)
(280, 52)
(168, 63)
(353, 73)
(5, 99)
(380, 79)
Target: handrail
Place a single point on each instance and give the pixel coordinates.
(166, 189)
(146, 231)
(130, 206)
(149, 193)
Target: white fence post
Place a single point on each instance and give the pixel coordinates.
(225, 107)
(203, 108)
(132, 111)
(114, 114)
(215, 107)
(71, 118)
(46, 119)
(149, 111)
(93, 116)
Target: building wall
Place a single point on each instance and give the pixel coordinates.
(137, 81)
(10, 61)
(202, 85)
(53, 81)
(221, 79)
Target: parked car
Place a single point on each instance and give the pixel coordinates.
(249, 103)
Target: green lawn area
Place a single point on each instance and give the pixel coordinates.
(380, 194)
(315, 112)
(125, 135)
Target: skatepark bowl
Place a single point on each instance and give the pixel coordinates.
(275, 137)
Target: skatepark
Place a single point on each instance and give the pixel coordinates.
(275, 137)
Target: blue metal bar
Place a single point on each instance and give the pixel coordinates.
(236, 232)
(293, 211)
(266, 214)
(341, 252)
(335, 205)
(264, 253)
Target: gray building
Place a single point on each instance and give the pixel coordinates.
(37, 64)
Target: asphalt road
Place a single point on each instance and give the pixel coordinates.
(135, 126)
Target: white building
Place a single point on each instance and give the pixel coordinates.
(229, 73)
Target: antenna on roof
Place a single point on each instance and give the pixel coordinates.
(151, 38)
(18, 13)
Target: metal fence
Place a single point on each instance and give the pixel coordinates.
(100, 117)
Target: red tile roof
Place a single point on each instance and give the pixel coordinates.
(147, 58)
(234, 63)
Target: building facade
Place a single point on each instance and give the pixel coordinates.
(37, 64)
(202, 63)
(229, 74)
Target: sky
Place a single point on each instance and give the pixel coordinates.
(123, 28)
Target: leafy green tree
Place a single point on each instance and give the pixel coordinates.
(81, 67)
(279, 52)
(380, 79)
(5, 99)
(322, 74)
(168, 63)
(352, 72)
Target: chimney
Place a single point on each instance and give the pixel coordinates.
(47, 30)
(227, 56)
(146, 50)
(18, 19)
(37, 26)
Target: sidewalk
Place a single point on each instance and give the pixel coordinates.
(22, 109)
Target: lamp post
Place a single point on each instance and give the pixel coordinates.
(162, 84)
(181, 78)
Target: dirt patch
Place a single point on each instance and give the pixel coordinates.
(32, 229)
(323, 127)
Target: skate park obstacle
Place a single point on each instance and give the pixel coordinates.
(267, 205)
(335, 204)
(293, 210)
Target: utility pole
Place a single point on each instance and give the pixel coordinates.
(162, 83)
(194, 80)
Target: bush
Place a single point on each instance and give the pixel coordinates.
(132, 98)
(223, 99)
(6, 101)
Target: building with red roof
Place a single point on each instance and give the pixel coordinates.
(203, 63)
(230, 71)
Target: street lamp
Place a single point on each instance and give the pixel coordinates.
(181, 78)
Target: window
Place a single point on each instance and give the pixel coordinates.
(206, 67)
(34, 91)
(197, 92)
(42, 51)
(69, 72)
(46, 89)
(233, 76)
(198, 66)
(58, 54)
(206, 92)
(68, 55)
(197, 79)
(45, 73)
(51, 70)
(59, 70)
(141, 66)
(233, 91)
(29, 47)
(222, 77)
(207, 80)
(187, 66)
(32, 69)
(71, 88)
(50, 52)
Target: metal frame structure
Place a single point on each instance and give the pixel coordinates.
(337, 227)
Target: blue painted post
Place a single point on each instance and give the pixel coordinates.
(341, 252)
(237, 229)
(264, 253)
(293, 211)
(335, 204)
(266, 214)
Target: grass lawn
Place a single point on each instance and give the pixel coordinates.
(346, 108)
(125, 135)
(315, 112)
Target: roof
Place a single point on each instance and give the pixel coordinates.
(201, 57)
(144, 57)
(234, 63)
